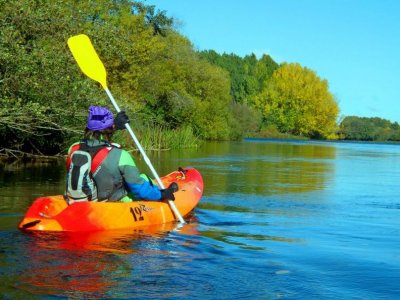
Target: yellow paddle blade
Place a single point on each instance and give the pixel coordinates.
(87, 58)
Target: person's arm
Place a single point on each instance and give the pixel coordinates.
(136, 184)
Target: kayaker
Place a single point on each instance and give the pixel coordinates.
(115, 177)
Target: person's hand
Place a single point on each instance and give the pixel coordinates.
(168, 193)
(120, 120)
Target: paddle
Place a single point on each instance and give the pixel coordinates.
(91, 65)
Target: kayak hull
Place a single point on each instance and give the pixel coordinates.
(52, 213)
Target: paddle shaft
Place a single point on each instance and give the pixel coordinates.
(146, 159)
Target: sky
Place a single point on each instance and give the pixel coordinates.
(353, 44)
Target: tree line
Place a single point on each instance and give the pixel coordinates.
(369, 129)
(154, 72)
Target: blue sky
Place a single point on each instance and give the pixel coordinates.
(353, 44)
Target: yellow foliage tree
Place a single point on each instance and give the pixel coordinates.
(297, 101)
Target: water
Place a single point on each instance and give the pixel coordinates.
(278, 220)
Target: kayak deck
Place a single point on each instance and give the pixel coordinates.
(52, 213)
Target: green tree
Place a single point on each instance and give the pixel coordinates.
(264, 69)
(43, 96)
(181, 90)
(298, 102)
(247, 74)
(38, 95)
(369, 129)
(356, 128)
(246, 120)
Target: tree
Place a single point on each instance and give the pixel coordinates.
(369, 129)
(246, 120)
(43, 95)
(298, 102)
(247, 74)
(264, 69)
(181, 90)
(38, 94)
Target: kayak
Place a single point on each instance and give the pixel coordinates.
(52, 213)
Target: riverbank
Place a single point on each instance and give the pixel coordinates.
(161, 140)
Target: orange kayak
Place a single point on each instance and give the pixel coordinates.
(52, 213)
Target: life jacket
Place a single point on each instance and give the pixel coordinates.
(87, 180)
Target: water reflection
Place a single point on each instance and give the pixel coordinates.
(21, 183)
(267, 168)
(19, 171)
(91, 264)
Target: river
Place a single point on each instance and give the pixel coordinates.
(278, 220)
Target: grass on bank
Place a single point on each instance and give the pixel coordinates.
(159, 138)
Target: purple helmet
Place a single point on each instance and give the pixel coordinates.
(99, 118)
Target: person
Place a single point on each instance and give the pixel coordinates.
(117, 177)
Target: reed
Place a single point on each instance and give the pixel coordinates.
(160, 138)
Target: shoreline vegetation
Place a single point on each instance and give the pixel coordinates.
(175, 95)
(17, 160)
